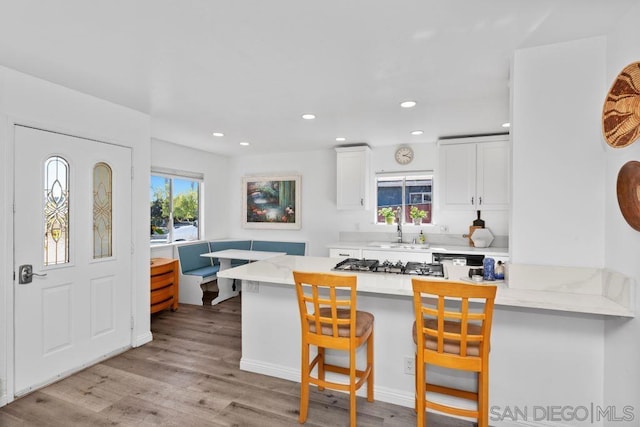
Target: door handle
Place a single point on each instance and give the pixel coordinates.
(25, 274)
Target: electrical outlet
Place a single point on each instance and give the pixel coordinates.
(409, 365)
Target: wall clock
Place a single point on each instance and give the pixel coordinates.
(404, 155)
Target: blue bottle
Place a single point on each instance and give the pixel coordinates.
(489, 269)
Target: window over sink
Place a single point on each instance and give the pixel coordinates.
(401, 192)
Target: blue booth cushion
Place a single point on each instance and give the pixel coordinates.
(190, 258)
(230, 244)
(204, 271)
(290, 248)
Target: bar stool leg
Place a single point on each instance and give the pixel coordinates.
(352, 387)
(304, 384)
(370, 366)
(420, 391)
(321, 371)
(483, 397)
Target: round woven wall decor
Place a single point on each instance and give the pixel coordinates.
(621, 111)
(628, 191)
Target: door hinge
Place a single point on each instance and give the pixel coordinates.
(132, 172)
(133, 322)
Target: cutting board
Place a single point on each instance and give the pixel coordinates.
(472, 228)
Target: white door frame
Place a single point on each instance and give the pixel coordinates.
(7, 259)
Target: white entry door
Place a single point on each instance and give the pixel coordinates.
(73, 226)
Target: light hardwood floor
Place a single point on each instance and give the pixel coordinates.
(189, 376)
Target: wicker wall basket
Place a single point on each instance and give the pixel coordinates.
(628, 189)
(621, 111)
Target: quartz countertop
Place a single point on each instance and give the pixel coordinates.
(592, 291)
(416, 247)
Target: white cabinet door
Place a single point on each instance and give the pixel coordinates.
(492, 185)
(353, 177)
(474, 174)
(458, 176)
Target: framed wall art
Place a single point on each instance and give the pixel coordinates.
(271, 201)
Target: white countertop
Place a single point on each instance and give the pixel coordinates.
(564, 289)
(432, 247)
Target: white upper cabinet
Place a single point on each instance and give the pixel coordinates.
(474, 173)
(354, 176)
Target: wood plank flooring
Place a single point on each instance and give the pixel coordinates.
(189, 376)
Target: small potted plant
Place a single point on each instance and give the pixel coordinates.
(417, 215)
(388, 213)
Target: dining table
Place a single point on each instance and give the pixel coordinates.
(226, 286)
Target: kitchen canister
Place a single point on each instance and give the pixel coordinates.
(499, 273)
(489, 269)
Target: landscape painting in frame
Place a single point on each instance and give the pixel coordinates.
(271, 202)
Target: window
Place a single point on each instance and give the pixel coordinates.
(56, 211)
(175, 207)
(404, 191)
(102, 211)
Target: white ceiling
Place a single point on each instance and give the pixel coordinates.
(250, 68)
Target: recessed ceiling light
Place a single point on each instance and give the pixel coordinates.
(218, 134)
(341, 139)
(308, 116)
(506, 125)
(408, 104)
(244, 143)
(416, 132)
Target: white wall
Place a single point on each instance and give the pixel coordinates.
(321, 220)
(27, 100)
(216, 187)
(320, 224)
(558, 168)
(564, 206)
(622, 243)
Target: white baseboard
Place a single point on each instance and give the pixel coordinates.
(270, 369)
(3, 401)
(383, 394)
(142, 339)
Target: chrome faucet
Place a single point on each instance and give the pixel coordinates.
(399, 232)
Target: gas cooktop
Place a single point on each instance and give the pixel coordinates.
(399, 267)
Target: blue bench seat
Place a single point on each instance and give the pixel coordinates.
(195, 272)
(198, 273)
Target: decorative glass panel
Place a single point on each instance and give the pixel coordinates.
(56, 211)
(102, 208)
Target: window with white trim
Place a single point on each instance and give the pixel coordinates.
(175, 206)
(401, 192)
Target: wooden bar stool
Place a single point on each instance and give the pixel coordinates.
(452, 336)
(329, 320)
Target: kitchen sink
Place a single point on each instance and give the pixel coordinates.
(395, 245)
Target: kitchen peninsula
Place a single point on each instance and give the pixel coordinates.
(536, 312)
